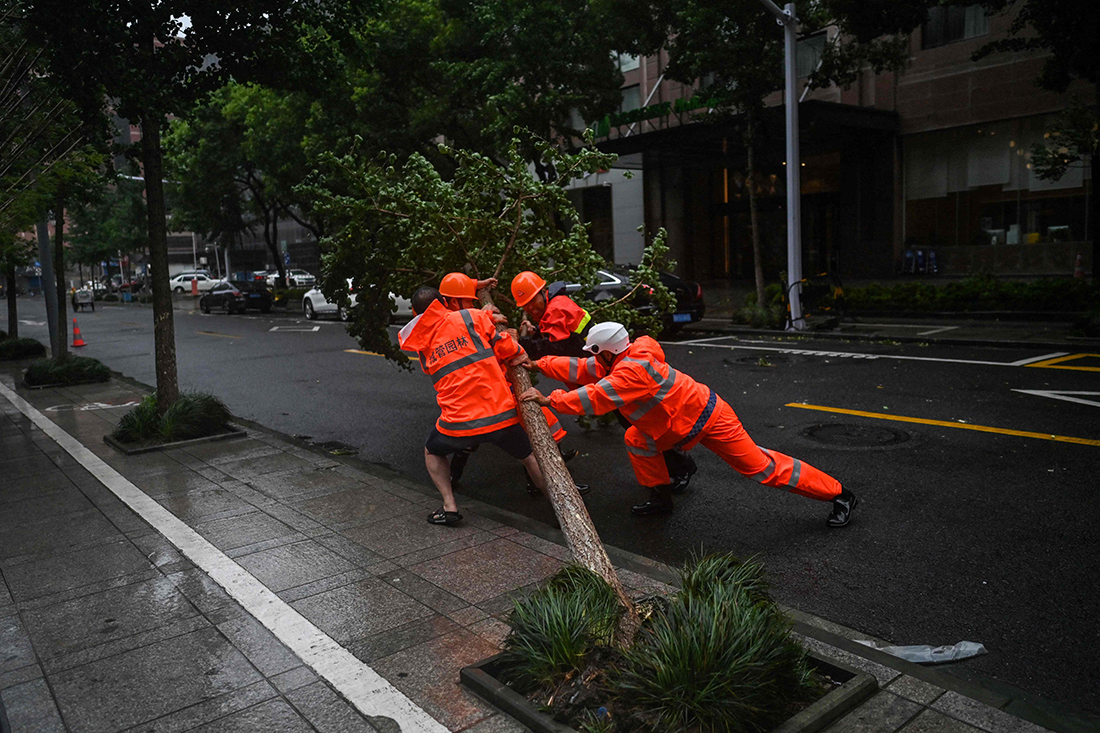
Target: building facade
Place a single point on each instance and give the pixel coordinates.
(933, 159)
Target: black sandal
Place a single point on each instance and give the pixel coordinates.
(442, 516)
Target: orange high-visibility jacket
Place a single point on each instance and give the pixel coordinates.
(461, 351)
(656, 398)
(563, 318)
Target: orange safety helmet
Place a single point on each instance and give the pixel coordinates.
(525, 286)
(458, 285)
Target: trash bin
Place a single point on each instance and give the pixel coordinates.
(127, 297)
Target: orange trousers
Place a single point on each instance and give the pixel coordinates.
(725, 435)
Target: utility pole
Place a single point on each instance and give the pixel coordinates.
(789, 20)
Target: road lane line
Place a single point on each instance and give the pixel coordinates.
(221, 335)
(1063, 395)
(947, 424)
(1044, 357)
(1059, 363)
(937, 330)
(360, 684)
(838, 354)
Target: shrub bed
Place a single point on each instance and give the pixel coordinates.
(984, 293)
(716, 656)
(21, 349)
(194, 415)
(72, 370)
(3, 334)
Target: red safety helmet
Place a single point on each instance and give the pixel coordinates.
(458, 285)
(525, 286)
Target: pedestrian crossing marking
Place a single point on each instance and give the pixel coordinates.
(948, 424)
(1057, 363)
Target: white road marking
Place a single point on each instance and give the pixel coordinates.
(937, 330)
(835, 354)
(360, 684)
(1033, 359)
(289, 329)
(88, 406)
(32, 323)
(1063, 395)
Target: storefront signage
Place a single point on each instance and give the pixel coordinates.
(650, 112)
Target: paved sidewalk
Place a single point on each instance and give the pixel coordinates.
(105, 625)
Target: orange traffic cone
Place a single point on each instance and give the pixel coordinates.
(1079, 268)
(77, 341)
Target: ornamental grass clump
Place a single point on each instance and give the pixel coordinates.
(194, 415)
(11, 349)
(556, 628)
(71, 370)
(719, 657)
(716, 656)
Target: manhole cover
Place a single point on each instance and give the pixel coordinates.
(856, 436)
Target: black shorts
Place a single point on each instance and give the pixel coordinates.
(512, 440)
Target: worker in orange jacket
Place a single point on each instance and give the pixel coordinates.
(460, 348)
(561, 330)
(670, 409)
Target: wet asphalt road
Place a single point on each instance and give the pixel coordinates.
(961, 534)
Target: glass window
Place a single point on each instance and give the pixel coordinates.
(809, 53)
(632, 98)
(951, 23)
(628, 62)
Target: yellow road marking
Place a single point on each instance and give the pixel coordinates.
(357, 351)
(946, 424)
(1051, 363)
(222, 335)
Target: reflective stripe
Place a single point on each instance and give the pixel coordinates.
(666, 385)
(586, 401)
(495, 338)
(481, 422)
(701, 422)
(641, 452)
(590, 367)
(767, 472)
(573, 364)
(611, 393)
(583, 323)
(474, 338)
(457, 364)
(793, 483)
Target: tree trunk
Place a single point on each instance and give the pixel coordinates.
(164, 333)
(59, 274)
(1094, 210)
(757, 257)
(13, 304)
(49, 282)
(580, 534)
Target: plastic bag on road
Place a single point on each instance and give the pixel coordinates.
(924, 654)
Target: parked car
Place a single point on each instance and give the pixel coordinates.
(615, 283)
(85, 297)
(315, 305)
(224, 295)
(294, 279)
(182, 283)
(257, 296)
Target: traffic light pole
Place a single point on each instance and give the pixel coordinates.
(789, 20)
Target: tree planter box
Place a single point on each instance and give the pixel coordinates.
(856, 687)
(133, 450)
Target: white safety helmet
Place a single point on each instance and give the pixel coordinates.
(608, 337)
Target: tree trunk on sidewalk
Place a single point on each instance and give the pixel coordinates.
(576, 524)
(59, 275)
(164, 333)
(13, 304)
(757, 256)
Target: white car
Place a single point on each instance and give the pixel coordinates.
(294, 279)
(315, 305)
(182, 283)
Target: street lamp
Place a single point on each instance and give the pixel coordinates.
(787, 18)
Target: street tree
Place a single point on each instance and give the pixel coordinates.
(735, 52)
(396, 225)
(138, 57)
(1067, 34)
(109, 222)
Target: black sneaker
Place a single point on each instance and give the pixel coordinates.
(568, 455)
(660, 502)
(843, 505)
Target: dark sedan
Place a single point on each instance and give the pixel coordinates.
(230, 296)
(257, 295)
(615, 283)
